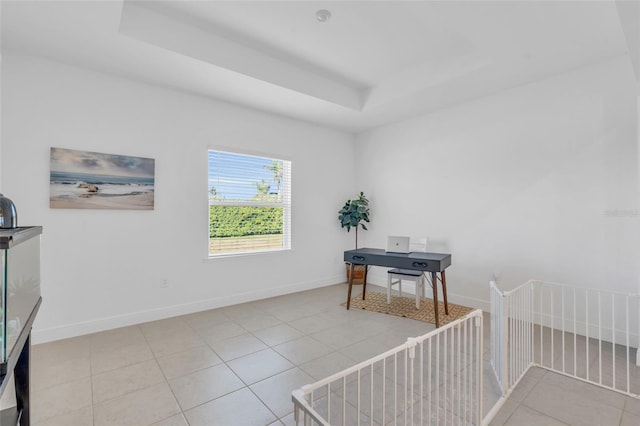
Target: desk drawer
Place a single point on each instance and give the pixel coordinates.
(402, 262)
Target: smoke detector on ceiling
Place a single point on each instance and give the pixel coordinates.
(323, 15)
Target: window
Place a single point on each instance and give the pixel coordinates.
(249, 203)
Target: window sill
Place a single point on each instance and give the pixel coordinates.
(277, 252)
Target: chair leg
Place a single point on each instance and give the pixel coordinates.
(420, 290)
(400, 286)
(388, 288)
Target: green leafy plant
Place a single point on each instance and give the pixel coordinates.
(354, 213)
(241, 221)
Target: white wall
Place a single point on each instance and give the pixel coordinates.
(0, 99)
(102, 269)
(535, 182)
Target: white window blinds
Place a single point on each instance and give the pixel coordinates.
(249, 203)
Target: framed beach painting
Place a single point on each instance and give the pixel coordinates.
(93, 180)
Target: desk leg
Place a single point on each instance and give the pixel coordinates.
(444, 293)
(434, 281)
(364, 283)
(350, 285)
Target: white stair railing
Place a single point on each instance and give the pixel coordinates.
(588, 334)
(434, 379)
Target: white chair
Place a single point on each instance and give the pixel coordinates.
(396, 275)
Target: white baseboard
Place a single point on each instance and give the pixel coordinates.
(43, 335)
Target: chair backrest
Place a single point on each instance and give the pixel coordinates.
(418, 244)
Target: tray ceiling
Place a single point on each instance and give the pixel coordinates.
(372, 63)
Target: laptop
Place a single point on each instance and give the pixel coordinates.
(398, 245)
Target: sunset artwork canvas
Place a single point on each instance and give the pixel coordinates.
(93, 180)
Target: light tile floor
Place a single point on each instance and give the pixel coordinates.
(238, 365)
(547, 398)
(230, 366)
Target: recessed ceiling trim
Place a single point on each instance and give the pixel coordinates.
(424, 76)
(140, 21)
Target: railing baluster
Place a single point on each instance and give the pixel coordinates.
(358, 404)
(529, 327)
(465, 376)
(438, 379)
(328, 400)
(613, 338)
(479, 366)
(562, 317)
(344, 401)
(600, 337)
(384, 391)
(587, 344)
(312, 398)
(411, 358)
(371, 395)
(553, 327)
(395, 388)
(452, 374)
(575, 335)
(446, 387)
(518, 325)
(511, 345)
(627, 342)
(405, 387)
(421, 383)
(458, 394)
(429, 381)
(541, 290)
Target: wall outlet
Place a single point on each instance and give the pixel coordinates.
(164, 283)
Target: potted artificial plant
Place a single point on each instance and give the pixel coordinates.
(353, 215)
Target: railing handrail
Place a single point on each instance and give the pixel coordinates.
(543, 282)
(506, 293)
(494, 285)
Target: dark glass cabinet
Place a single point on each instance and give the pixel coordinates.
(19, 303)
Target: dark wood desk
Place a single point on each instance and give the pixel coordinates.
(434, 263)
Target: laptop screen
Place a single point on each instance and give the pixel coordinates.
(398, 245)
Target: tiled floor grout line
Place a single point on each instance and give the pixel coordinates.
(246, 385)
(93, 411)
(182, 411)
(155, 358)
(541, 413)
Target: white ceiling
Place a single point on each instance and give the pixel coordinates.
(372, 63)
